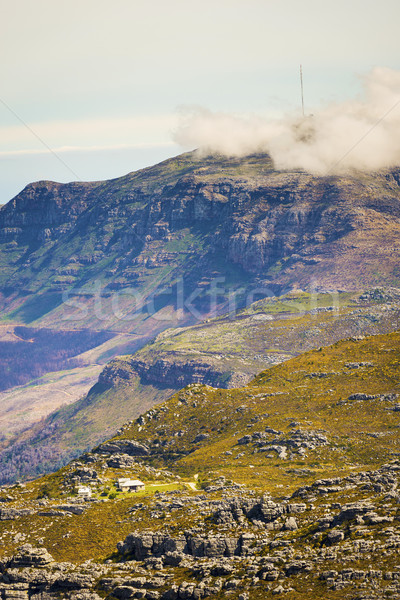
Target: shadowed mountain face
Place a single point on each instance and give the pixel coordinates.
(171, 235)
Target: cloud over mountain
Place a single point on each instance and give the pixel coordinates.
(361, 133)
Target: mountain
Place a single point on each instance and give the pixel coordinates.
(288, 485)
(214, 226)
(283, 483)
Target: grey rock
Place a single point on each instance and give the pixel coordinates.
(14, 592)
(351, 511)
(173, 559)
(84, 595)
(121, 461)
(245, 440)
(84, 475)
(335, 536)
(201, 437)
(9, 514)
(73, 581)
(297, 567)
(290, 524)
(130, 447)
(75, 509)
(122, 592)
(28, 556)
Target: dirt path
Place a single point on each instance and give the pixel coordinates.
(193, 486)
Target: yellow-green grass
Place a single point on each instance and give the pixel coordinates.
(316, 402)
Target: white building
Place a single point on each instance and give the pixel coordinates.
(125, 484)
(84, 491)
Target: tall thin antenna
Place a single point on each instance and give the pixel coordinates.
(302, 90)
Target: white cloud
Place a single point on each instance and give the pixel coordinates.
(85, 149)
(88, 133)
(360, 133)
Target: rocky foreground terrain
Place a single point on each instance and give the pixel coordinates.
(312, 544)
(288, 486)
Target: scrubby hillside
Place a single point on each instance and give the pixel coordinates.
(341, 399)
(228, 351)
(286, 486)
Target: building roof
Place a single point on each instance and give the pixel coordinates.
(130, 482)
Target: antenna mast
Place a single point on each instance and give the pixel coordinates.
(302, 91)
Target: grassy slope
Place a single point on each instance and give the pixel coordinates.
(247, 344)
(101, 412)
(316, 403)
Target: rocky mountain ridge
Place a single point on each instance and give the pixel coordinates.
(175, 220)
(229, 351)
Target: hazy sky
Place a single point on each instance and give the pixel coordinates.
(102, 84)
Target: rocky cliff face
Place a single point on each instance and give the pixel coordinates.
(44, 208)
(165, 373)
(200, 219)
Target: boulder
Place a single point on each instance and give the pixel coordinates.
(290, 524)
(130, 447)
(28, 556)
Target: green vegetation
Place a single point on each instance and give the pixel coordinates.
(267, 332)
(311, 390)
(204, 452)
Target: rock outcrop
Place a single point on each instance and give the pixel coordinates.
(129, 447)
(166, 373)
